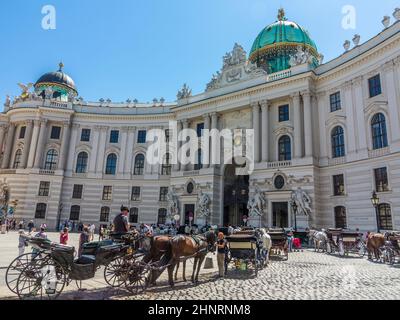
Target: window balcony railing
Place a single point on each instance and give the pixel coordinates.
(337, 161)
(378, 152)
(8, 171)
(191, 173)
(47, 172)
(279, 164)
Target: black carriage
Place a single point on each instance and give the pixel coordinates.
(345, 242)
(279, 241)
(246, 249)
(390, 252)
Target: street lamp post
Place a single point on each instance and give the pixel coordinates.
(294, 207)
(375, 203)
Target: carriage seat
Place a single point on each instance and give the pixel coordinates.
(86, 259)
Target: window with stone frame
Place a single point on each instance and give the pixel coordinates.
(385, 217)
(335, 101)
(77, 191)
(162, 216)
(340, 217)
(40, 212)
(74, 213)
(142, 136)
(22, 132)
(135, 196)
(85, 135)
(51, 160)
(284, 113)
(134, 215)
(55, 133)
(107, 193)
(139, 165)
(44, 189)
(374, 85)
(379, 131)
(338, 185)
(381, 179)
(82, 162)
(105, 214)
(338, 142)
(163, 193)
(285, 149)
(114, 136)
(111, 164)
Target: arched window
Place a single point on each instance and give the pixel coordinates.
(104, 214)
(285, 149)
(81, 162)
(51, 160)
(133, 215)
(111, 164)
(74, 213)
(139, 165)
(166, 166)
(17, 159)
(199, 160)
(162, 216)
(337, 140)
(379, 133)
(340, 217)
(385, 217)
(40, 212)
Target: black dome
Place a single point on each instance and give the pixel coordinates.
(58, 77)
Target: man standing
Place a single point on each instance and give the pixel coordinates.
(121, 224)
(221, 251)
(92, 229)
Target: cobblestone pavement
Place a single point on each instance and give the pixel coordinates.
(305, 276)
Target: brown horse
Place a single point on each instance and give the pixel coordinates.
(186, 247)
(374, 242)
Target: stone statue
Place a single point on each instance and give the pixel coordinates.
(8, 101)
(203, 205)
(25, 90)
(48, 93)
(184, 93)
(71, 97)
(256, 204)
(302, 200)
(173, 208)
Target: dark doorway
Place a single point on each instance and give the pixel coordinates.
(280, 216)
(236, 196)
(189, 209)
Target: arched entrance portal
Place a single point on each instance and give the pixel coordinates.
(236, 196)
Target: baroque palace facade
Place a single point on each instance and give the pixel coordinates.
(326, 132)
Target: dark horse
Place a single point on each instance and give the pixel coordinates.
(185, 247)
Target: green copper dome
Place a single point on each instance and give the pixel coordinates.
(277, 42)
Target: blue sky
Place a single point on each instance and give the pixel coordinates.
(147, 49)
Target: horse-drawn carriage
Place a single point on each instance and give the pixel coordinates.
(345, 242)
(390, 251)
(44, 273)
(279, 240)
(247, 248)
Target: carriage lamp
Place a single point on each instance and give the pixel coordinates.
(294, 207)
(375, 203)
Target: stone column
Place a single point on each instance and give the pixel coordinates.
(124, 140)
(72, 146)
(298, 146)
(66, 136)
(185, 125)
(27, 143)
(308, 126)
(322, 111)
(9, 146)
(2, 135)
(215, 147)
(95, 145)
(256, 127)
(34, 142)
(129, 151)
(101, 150)
(392, 97)
(177, 166)
(40, 145)
(206, 151)
(362, 144)
(265, 131)
(350, 132)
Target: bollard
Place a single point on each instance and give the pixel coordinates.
(209, 263)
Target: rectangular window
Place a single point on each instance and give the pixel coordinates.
(74, 213)
(338, 185)
(375, 88)
(133, 215)
(55, 133)
(44, 189)
(85, 135)
(114, 136)
(284, 113)
(200, 128)
(163, 193)
(335, 102)
(141, 136)
(381, 180)
(135, 194)
(22, 133)
(107, 193)
(40, 212)
(77, 191)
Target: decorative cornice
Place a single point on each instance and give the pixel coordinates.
(357, 81)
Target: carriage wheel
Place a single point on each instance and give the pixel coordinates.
(138, 277)
(43, 280)
(15, 268)
(390, 257)
(116, 271)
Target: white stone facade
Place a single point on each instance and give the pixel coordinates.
(246, 98)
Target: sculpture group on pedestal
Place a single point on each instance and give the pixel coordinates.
(203, 205)
(256, 203)
(303, 201)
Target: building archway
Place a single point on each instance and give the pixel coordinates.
(236, 196)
